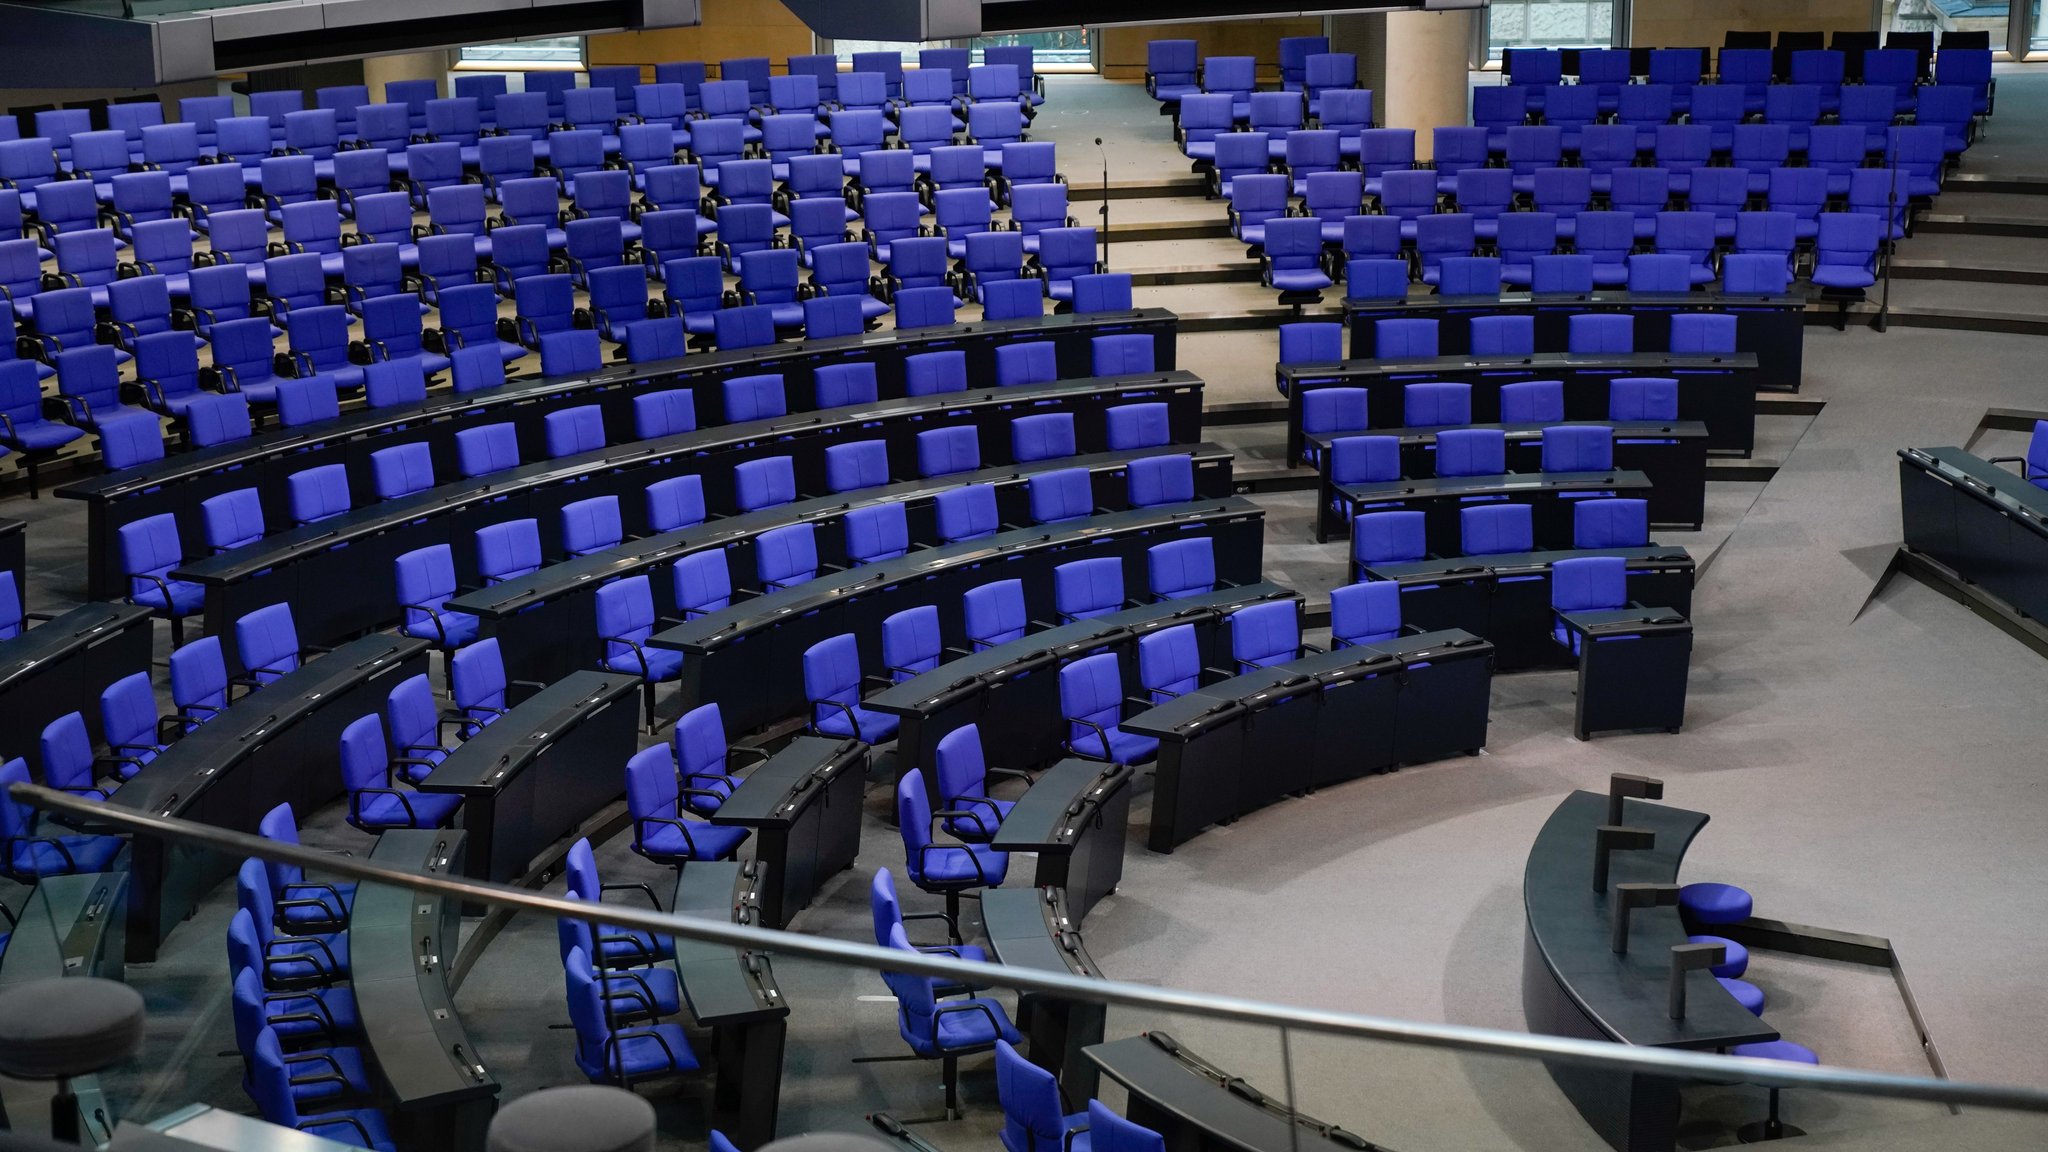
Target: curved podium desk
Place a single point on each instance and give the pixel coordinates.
(1198, 1107)
(1574, 984)
(804, 806)
(733, 992)
(63, 664)
(1036, 928)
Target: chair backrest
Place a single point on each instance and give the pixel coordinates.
(910, 645)
(1532, 402)
(967, 513)
(1265, 634)
(1365, 613)
(1507, 335)
(1471, 452)
(877, 532)
(703, 582)
(1610, 523)
(1600, 333)
(1045, 436)
(591, 525)
(1578, 448)
(402, 470)
(319, 493)
(786, 556)
(1033, 1118)
(1083, 589)
(1063, 494)
(1178, 569)
(1493, 528)
(1432, 404)
(1643, 398)
(767, 482)
(1583, 583)
(1404, 338)
(508, 550)
(267, 642)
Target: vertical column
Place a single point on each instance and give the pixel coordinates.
(378, 70)
(1427, 80)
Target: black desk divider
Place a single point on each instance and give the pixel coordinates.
(180, 482)
(336, 573)
(62, 665)
(733, 992)
(1550, 495)
(1985, 523)
(14, 552)
(1673, 454)
(749, 658)
(1012, 690)
(1717, 391)
(1037, 928)
(1234, 746)
(1574, 984)
(532, 779)
(804, 805)
(1073, 817)
(546, 622)
(1505, 597)
(400, 945)
(1772, 328)
(278, 744)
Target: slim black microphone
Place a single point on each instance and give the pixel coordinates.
(1105, 202)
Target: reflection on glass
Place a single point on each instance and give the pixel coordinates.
(1550, 24)
(551, 50)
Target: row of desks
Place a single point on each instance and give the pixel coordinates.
(1987, 524)
(546, 622)
(1552, 497)
(1672, 455)
(179, 483)
(748, 658)
(63, 664)
(1717, 391)
(1770, 328)
(336, 573)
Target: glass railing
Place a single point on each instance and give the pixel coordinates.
(465, 1002)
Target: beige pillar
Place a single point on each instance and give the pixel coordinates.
(379, 70)
(1427, 80)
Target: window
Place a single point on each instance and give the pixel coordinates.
(1065, 47)
(1551, 24)
(844, 49)
(554, 51)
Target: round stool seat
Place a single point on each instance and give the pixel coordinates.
(1713, 903)
(57, 1028)
(826, 1142)
(1738, 956)
(1777, 1050)
(580, 1118)
(1746, 994)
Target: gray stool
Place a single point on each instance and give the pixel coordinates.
(826, 1142)
(581, 1118)
(58, 1029)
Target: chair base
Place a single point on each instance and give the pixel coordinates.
(1769, 1128)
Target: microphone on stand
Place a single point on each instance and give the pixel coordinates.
(1105, 202)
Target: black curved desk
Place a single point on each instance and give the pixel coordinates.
(400, 945)
(1771, 328)
(734, 993)
(749, 657)
(279, 744)
(1074, 817)
(63, 664)
(1673, 454)
(1985, 523)
(1717, 391)
(1198, 1107)
(1236, 745)
(1551, 497)
(1038, 928)
(804, 806)
(1505, 597)
(69, 926)
(336, 574)
(1573, 984)
(543, 769)
(546, 622)
(1018, 712)
(178, 483)
(14, 551)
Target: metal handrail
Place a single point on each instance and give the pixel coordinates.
(1673, 1063)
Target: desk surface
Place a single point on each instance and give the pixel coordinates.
(724, 985)
(661, 373)
(1030, 928)
(1520, 433)
(923, 691)
(1702, 300)
(185, 770)
(1498, 563)
(1534, 364)
(1194, 1094)
(554, 580)
(1626, 996)
(773, 792)
(53, 639)
(1050, 815)
(496, 753)
(1188, 715)
(1988, 482)
(716, 630)
(370, 519)
(1509, 484)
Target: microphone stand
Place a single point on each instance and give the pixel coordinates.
(1105, 202)
(1891, 223)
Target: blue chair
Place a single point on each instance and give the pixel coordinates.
(411, 726)
(967, 512)
(656, 798)
(68, 762)
(1265, 634)
(403, 470)
(1434, 404)
(507, 550)
(376, 804)
(754, 398)
(1365, 613)
(910, 642)
(1126, 354)
(832, 684)
(29, 857)
(1091, 703)
(944, 451)
(23, 426)
(676, 502)
(876, 532)
(609, 1054)
(994, 613)
(1611, 523)
(316, 907)
(768, 482)
(267, 643)
(1169, 663)
(1331, 412)
(1387, 538)
(1404, 339)
(149, 550)
(1642, 398)
(941, 869)
(487, 448)
(1487, 529)
(1131, 426)
(1578, 448)
(277, 1095)
(1062, 494)
(591, 525)
(1046, 436)
(199, 683)
(625, 620)
(1179, 569)
(1532, 402)
(1590, 583)
(840, 385)
(786, 556)
(856, 465)
(1034, 1118)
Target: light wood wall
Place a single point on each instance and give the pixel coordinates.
(1686, 23)
(1123, 48)
(731, 29)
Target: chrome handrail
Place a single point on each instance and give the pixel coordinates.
(1667, 1062)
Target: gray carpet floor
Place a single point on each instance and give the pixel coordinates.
(1871, 764)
